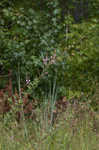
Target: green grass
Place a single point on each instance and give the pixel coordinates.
(72, 131)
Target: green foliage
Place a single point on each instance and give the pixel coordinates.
(33, 31)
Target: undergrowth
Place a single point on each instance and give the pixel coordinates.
(76, 128)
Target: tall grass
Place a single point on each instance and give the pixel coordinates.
(74, 130)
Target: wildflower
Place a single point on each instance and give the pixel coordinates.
(27, 81)
(52, 61)
(46, 73)
(45, 60)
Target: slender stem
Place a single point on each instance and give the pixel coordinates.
(19, 83)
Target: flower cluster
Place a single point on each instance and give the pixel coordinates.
(53, 59)
(49, 61)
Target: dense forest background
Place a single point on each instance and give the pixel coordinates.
(43, 43)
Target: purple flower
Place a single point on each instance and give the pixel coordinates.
(27, 81)
(45, 60)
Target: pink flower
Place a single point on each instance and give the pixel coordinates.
(27, 81)
(46, 73)
(45, 60)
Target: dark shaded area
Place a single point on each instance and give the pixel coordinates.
(79, 9)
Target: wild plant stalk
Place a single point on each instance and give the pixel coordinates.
(49, 105)
(19, 80)
(53, 97)
(21, 101)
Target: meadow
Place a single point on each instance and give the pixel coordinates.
(71, 126)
